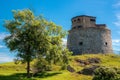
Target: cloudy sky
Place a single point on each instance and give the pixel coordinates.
(61, 12)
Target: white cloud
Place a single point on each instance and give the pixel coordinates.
(117, 13)
(5, 58)
(117, 23)
(116, 45)
(116, 40)
(117, 5)
(1, 46)
(64, 42)
(3, 35)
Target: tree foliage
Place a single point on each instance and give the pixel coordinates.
(34, 37)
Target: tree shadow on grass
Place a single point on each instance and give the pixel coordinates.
(22, 76)
(44, 75)
(17, 76)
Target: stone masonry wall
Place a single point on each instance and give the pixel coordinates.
(89, 40)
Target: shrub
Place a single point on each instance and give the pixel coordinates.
(106, 73)
(41, 66)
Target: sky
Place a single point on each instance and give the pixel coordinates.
(61, 12)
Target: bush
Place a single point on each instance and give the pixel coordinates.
(105, 73)
(41, 66)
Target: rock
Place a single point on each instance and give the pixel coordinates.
(82, 65)
(70, 69)
(88, 61)
(88, 70)
(94, 60)
(83, 62)
(80, 61)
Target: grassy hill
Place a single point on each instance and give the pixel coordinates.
(11, 71)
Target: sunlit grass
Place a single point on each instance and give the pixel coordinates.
(11, 71)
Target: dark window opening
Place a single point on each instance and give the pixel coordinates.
(106, 43)
(78, 19)
(79, 26)
(92, 20)
(74, 20)
(74, 27)
(80, 43)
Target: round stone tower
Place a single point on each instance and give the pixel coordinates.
(86, 36)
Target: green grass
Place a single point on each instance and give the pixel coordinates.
(11, 71)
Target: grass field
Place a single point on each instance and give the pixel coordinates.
(11, 71)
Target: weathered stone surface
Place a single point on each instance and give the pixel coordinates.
(82, 62)
(88, 61)
(94, 60)
(88, 37)
(88, 70)
(70, 69)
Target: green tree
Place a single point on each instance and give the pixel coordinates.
(34, 37)
(54, 52)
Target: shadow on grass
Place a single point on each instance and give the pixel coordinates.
(44, 75)
(22, 76)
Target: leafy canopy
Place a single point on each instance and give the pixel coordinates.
(34, 37)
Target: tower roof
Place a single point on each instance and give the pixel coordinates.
(83, 16)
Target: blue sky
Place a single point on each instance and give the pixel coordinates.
(61, 12)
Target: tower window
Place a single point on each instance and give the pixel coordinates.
(80, 43)
(79, 26)
(74, 20)
(74, 28)
(78, 19)
(106, 43)
(93, 20)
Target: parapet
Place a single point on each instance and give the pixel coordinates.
(83, 16)
(84, 21)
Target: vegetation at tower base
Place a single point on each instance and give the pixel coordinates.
(33, 37)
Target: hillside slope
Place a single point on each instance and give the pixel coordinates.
(11, 71)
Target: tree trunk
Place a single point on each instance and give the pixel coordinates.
(28, 69)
